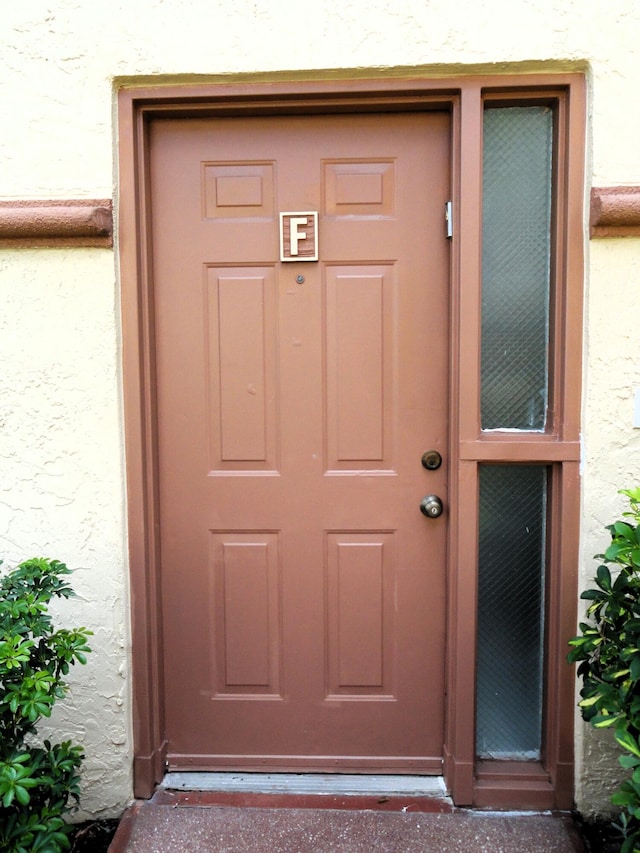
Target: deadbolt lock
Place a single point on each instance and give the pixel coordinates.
(431, 506)
(431, 460)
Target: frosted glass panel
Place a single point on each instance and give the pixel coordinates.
(510, 611)
(516, 242)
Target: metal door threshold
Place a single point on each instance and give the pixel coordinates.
(307, 784)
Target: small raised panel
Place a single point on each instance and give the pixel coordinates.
(359, 188)
(238, 190)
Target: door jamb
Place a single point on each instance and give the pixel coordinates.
(463, 97)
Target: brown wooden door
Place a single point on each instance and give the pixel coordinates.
(303, 591)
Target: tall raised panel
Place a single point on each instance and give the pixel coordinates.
(359, 366)
(238, 190)
(242, 399)
(360, 582)
(359, 188)
(245, 607)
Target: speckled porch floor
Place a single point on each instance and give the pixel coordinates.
(157, 827)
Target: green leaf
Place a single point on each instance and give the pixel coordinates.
(629, 846)
(603, 577)
(602, 721)
(629, 761)
(634, 668)
(592, 595)
(22, 795)
(614, 676)
(623, 798)
(628, 741)
(587, 703)
(614, 550)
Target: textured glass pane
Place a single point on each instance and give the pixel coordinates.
(516, 227)
(510, 611)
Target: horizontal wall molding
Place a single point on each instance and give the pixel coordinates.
(615, 212)
(72, 222)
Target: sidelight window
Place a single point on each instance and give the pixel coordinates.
(516, 396)
(511, 611)
(516, 246)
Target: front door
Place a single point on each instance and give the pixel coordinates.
(303, 592)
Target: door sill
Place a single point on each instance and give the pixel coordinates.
(306, 783)
(305, 790)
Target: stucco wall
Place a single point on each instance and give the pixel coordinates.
(61, 485)
(611, 448)
(61, 444)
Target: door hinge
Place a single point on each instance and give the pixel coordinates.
(448, 217)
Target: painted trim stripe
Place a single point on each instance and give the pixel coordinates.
(73, 222)
(615, 211)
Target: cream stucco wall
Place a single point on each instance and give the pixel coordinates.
(611, 457)
(61, 446)
(61, 481)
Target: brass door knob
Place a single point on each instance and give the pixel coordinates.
(431, 506)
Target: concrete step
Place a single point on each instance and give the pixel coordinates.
(183, 822)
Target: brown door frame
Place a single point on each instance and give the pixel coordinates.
(545, 784)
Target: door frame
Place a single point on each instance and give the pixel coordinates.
(548, 784)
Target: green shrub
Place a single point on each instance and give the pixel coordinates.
(39, 783)
(608, 649)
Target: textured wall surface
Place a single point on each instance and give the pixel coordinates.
(611, 448)
(61, 447)
(61, 489)
(59, 60)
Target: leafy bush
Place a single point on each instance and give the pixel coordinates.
(37, 782)
(608, 649)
